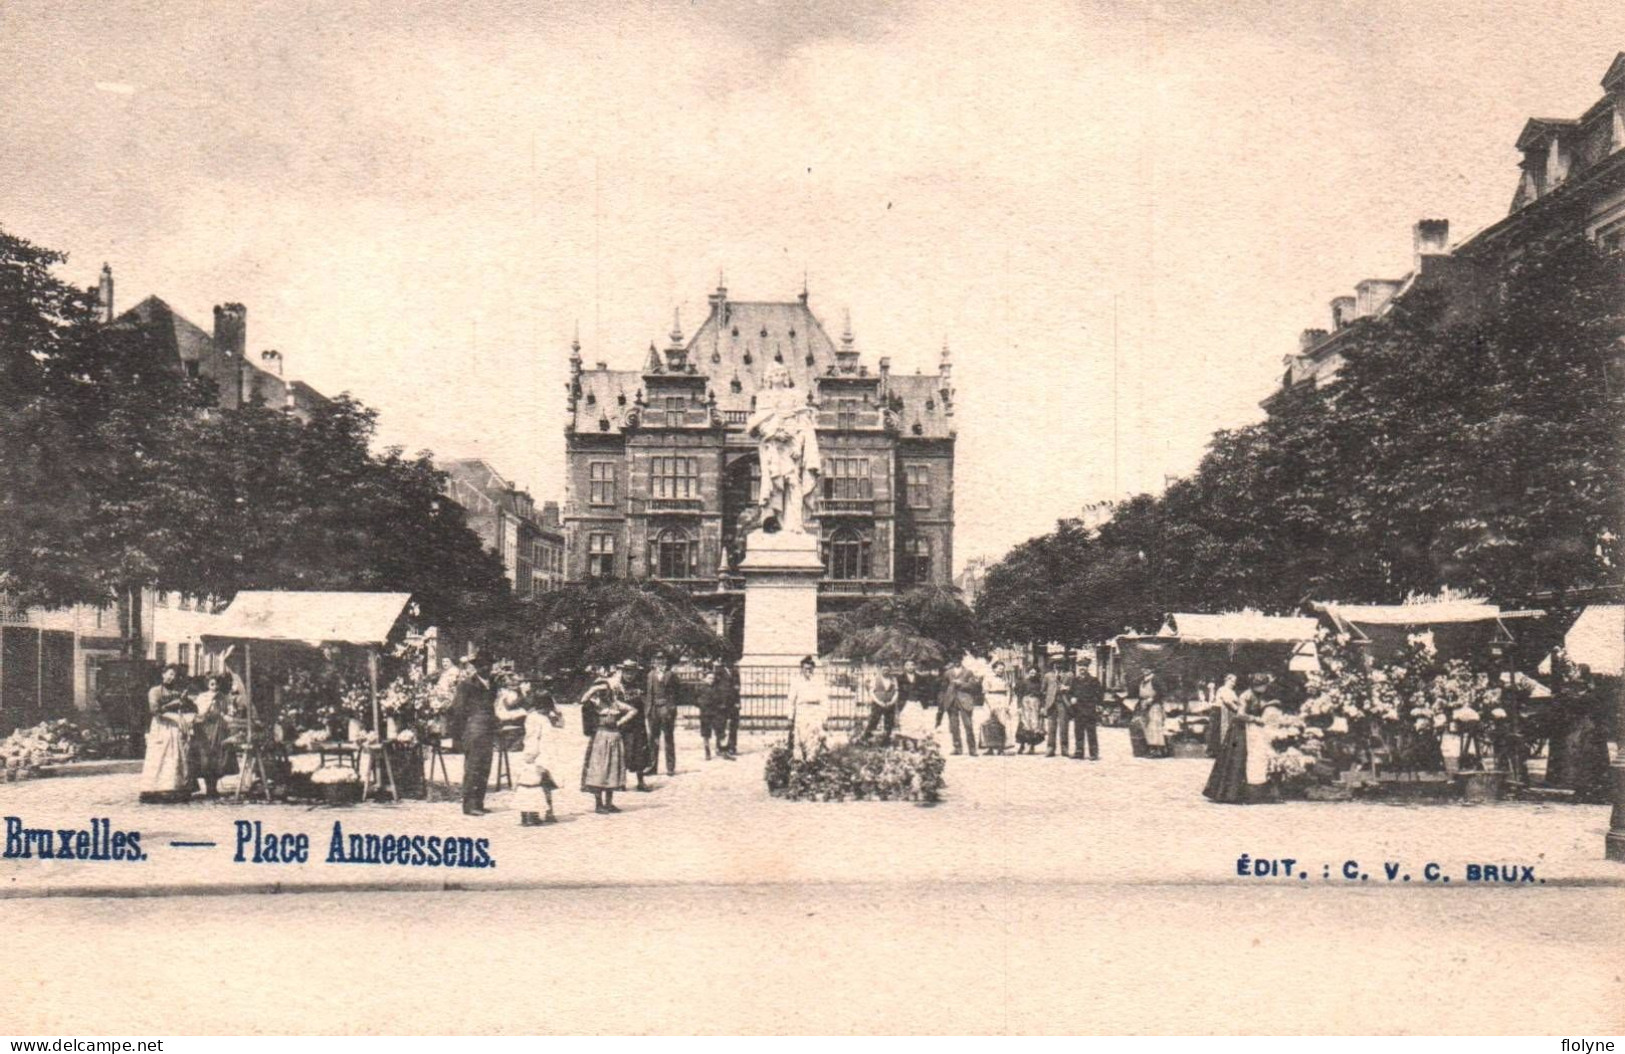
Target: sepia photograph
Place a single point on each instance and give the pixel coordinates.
(748, 518)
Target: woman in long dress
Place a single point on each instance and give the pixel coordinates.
(1029, 690)
(640, 755)
(209, 754)
(603, 771)
(1152, 716)
(1226, 702)
(1227, 783)
(164, 773)
(809, 707)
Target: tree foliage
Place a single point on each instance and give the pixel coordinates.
(600, 623)
(1476, 450)
(928, 624)
(119, 472)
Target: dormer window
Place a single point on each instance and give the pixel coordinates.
(748, 359)
(810, 360)
(735, 387)
(792, 333)
(621, 399)
(764, 332)
(592, 399)
(736, 331)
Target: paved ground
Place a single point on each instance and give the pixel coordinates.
(1041, 895)
(854, 958)
(1010, 819)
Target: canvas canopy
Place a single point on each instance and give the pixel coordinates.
(310, 617)
(1239, 628)
(1597, 639)
(1455, 628)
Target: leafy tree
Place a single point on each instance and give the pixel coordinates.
(118, 473)
(600, 623)
(926, 623)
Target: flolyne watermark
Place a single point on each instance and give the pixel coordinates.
(1586, 1046)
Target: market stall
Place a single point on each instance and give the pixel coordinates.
(1194, 651)
(275, 640)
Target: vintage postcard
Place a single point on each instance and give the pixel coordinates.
(733, 517)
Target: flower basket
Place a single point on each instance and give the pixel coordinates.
(348, 793)
(1481, 786)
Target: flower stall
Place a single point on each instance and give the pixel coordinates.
(1194, 651)
(335, 722)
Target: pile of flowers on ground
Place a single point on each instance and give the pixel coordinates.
(56, 742)
(903, 771)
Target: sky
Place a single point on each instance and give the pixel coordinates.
(1118, 215)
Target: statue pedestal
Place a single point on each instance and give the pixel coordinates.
(781, 598)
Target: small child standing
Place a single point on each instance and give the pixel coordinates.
(533, 778)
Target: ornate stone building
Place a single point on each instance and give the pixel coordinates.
(661, 477)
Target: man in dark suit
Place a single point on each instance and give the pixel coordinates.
(961, 691)
(665, 690)
(1087, 695)
(475, 706)
(728, 688)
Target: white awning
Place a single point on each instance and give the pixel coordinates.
(1597, 639)
(1240, 628)
(310, 618)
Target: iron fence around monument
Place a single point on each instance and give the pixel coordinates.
(764, 695)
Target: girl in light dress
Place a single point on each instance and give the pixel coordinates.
(534, 783)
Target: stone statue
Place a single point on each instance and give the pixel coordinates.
(787, 428)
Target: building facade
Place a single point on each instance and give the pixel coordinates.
(662, 479)
(530, 543)
(1571, 184)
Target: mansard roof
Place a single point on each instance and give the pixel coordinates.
(732, 352)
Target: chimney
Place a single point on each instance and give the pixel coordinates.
(1429, 238)
(230, 329)
(104, 295)
(271, 362)
(550, 514)
(1342, 311)
(1309, 338)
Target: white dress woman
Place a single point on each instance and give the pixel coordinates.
(809, 707)
(166, 772)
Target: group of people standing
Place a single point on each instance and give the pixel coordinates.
(187, 738)
(1058, 709)
(628, 716)
(1041, 708)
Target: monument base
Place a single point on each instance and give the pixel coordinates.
(781, 573)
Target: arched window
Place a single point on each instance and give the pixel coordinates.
(674, 554)
(848, 554)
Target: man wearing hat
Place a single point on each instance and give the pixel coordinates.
(1087, 695)
(475, 706)
(665, 691)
